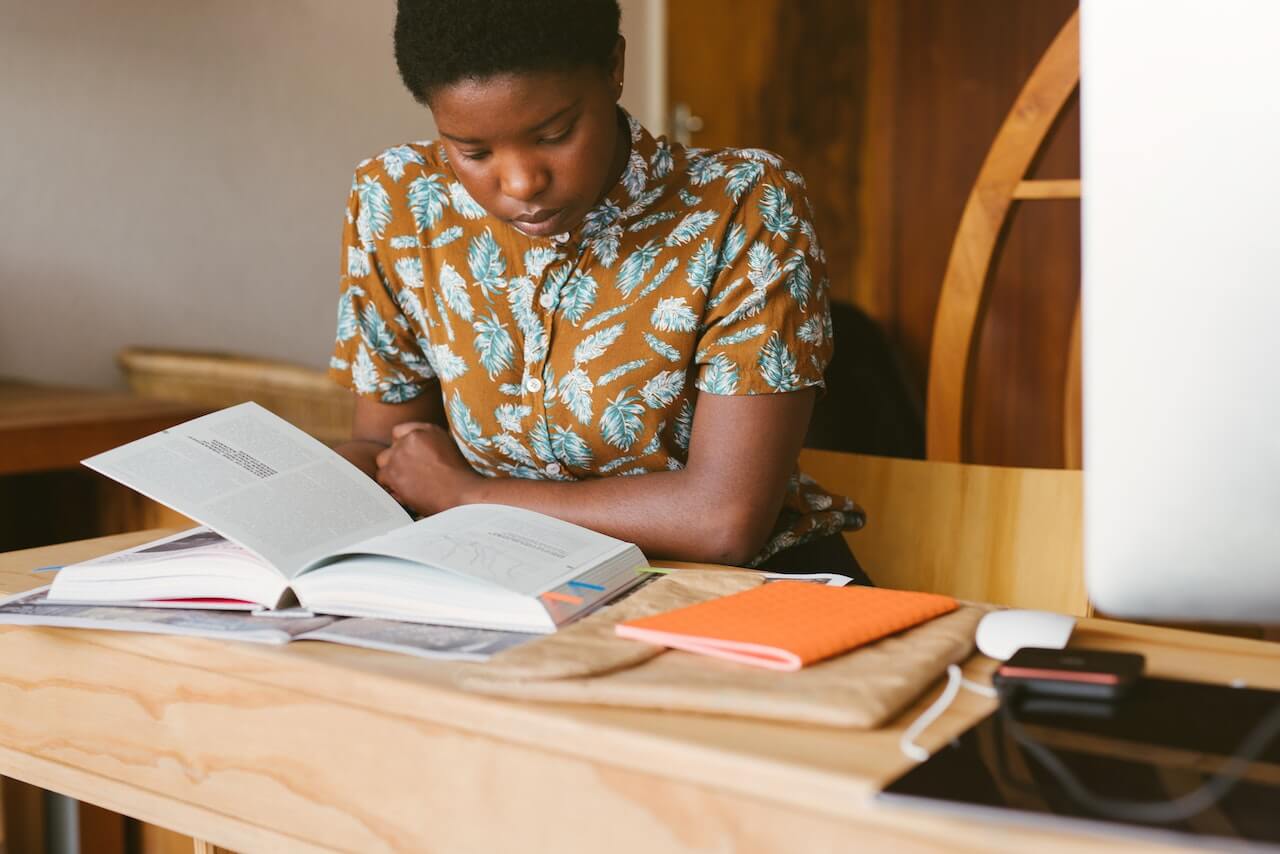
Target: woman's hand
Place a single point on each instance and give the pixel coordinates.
(424, 470)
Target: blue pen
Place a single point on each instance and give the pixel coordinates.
(586, 585)
(46, 569)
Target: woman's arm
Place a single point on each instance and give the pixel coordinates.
(373, 422)
(720, 508)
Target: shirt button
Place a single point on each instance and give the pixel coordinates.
(562, 237)
(553, 468)
(546, 300)
(533, 385)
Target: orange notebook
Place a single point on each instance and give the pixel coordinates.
(786, 625)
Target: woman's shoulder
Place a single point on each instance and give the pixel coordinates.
(404, 163)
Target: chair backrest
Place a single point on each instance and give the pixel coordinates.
(988, 533)
(302, 396)
(1002, 181)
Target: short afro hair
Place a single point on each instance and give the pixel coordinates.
(439, 42)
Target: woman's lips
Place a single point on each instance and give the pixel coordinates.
(538, 224)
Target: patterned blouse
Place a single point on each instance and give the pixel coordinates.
(583, 354)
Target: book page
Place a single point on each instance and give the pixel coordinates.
(515, 549)
(425, 641)
(33, 609)
(259, 481)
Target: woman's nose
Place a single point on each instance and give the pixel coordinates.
(523, 180)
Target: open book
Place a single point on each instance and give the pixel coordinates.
(288, 518)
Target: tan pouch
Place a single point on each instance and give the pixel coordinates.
(588, 663)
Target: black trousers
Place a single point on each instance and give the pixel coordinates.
(825, 554)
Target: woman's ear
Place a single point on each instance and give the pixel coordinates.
(618, 66)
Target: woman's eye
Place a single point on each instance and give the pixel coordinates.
(475, 155)
(552, 140)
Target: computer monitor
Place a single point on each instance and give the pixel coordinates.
(1180, 105)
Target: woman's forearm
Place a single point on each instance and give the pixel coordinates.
(670, 514)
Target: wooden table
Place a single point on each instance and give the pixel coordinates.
(45, 428)
(317, 747)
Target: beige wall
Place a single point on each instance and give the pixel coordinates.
(175, 173)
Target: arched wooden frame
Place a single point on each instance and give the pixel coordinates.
(983, 228)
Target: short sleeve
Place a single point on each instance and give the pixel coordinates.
(767, 324)
(376, 353)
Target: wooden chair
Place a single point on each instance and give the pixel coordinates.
(962, 303)
(302, 396)
(990, 533)
(995, 534)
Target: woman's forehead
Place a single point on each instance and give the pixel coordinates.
(508, 105)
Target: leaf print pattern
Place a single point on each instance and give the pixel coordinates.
(651, 220)
(597, 343)
(447, 364)
(634, 177)
(510, 415)
(745, 335)
(464, 426)
(776, 211)
(604, 317)
(570, 447)
(454, 289)
(463, 203)
(493, 343)
(690, 227)
(580, 352)
(410, 271)
(375, 207)
(799, 283)
(732, 246)
(537, 259)
(636, 267)
(394, 160)
(778, 365)
(446, 237)
(720, 376)
(704, 169)
(659, 278)
(363, 372)
(357, 262)
(663, 389)
(347, 325)
(575, 390)
(702, 266)
(624, 368)
(684, 425)
(577, 297)
(427, 198)
(484, 257)
(741, 178)
(621, 421)
(673, 314)
(376, 333)
(662, 348)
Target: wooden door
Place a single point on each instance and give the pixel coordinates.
(888, 107)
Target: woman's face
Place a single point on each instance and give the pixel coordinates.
(536, 149)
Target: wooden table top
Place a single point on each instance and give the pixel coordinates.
(54, 427)
(316, 746)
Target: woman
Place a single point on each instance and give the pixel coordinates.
(548, 300)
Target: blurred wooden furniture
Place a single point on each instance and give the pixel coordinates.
(316, 747)
(987, 533)
(997, 534)
(1001, 183)
(303, 396)
(45, 428)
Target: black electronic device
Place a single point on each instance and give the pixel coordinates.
(1087, 674)
(1122, 766)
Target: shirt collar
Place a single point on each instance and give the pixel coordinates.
(635, 190)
